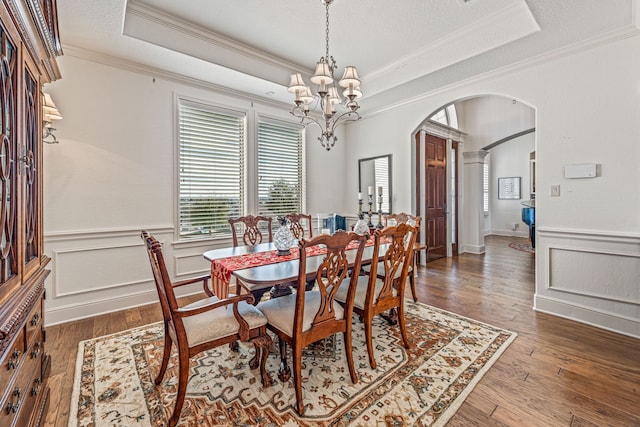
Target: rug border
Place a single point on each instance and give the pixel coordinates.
(440, 422)
(75, 393)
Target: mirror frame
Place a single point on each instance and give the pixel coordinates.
(365, 205)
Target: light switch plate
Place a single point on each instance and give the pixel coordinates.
(555, 190)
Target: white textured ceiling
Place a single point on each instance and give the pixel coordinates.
(253, 45)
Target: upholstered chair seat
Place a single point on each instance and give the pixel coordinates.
(214, 324)
(281, 311)
(359, 300)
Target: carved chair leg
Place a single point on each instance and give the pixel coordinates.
(412, 283)
(165, 356)
(183, 379)
(348, 349)
(402, 325)
(368, 334)
(262, 344)
(297, 377)
(284, 373)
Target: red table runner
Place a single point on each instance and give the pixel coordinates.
(221, 269)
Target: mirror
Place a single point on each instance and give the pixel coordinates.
(375, 176)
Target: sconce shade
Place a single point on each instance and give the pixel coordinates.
(49, 109)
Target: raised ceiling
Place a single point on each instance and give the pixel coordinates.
(253, 45)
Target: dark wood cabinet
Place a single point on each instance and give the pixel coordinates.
(29, 45)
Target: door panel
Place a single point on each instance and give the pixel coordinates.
(436, 196)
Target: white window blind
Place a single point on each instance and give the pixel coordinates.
(211, 169)
(280, 168)
(381, 173)
(485, 188)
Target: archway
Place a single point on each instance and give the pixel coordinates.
(494, 138)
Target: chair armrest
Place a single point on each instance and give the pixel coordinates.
(235, 299)
(203, 279)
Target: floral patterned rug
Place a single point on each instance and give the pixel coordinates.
(423, 385)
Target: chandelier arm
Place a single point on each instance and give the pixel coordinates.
(345, 117)
(307, 118)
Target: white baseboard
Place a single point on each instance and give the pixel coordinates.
(85, 310)
(588, 315)
(473, 249)
(510, 233)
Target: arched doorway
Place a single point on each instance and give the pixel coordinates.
(459, 152)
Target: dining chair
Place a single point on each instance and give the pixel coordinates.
(382, 291)
(204, 324)
(405, 218)
(251, 228)
(301, 225)
(307, 316)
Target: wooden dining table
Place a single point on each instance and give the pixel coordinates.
(256, 278)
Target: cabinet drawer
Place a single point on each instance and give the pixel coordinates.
(18, 393)
(11, 360)
(34, 321)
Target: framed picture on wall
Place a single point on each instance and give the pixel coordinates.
(509, 188)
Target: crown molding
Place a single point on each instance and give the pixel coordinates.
(155, 26)
(500, 28)
(619, 34)
(136, 67)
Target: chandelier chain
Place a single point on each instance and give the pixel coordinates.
(327, 31)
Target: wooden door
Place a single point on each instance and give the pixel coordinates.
(435, 196)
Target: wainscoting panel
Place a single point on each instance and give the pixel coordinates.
(591, 277)
(86, 270)
(103, 271)
(595, 274)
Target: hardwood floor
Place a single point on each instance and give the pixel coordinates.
(556, 373)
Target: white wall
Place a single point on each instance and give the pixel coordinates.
(486, 120)
(587, 108)
(510, 159)
(113, 173)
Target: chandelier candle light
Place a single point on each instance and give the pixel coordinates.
(325, 112)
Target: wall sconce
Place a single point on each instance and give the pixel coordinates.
(49, 114)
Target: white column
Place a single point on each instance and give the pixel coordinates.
(472, 213)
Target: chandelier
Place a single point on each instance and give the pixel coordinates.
(326, 108)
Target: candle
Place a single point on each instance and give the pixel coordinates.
(359, 196)
(380, 191)
(370, 190)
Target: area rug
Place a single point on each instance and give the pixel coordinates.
(522, 247)
(424, 385)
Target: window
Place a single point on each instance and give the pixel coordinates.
(280, 168)
(485, 188)
(446, 116)
(211, 168)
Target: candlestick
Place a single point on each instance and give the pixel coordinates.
(359, 196)
(370, 190)
(379, 225)
(360, 208)
(380, 191)
(370, 224)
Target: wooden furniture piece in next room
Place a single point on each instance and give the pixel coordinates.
(28, 51)
(250, 227)
(381, 291)
(203, 324)
(308, 316)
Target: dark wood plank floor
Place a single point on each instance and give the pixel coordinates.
(556, 373)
